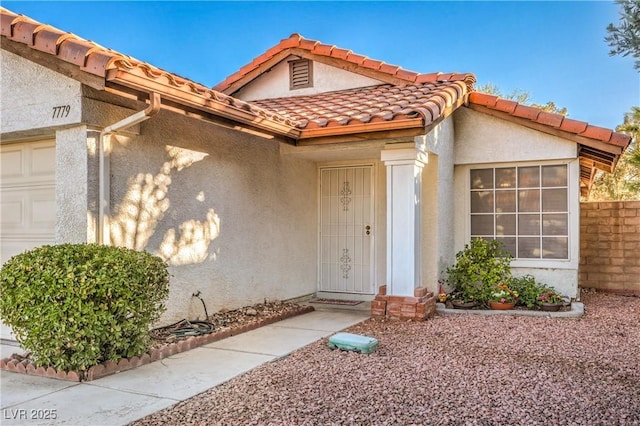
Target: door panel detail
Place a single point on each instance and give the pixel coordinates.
(346, 230)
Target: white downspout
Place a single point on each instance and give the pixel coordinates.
(104, 173)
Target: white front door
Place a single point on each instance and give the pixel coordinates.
(346, 230)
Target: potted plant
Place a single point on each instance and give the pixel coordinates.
(551, 301)
(479, 268)
(461, 301)
(503, 298)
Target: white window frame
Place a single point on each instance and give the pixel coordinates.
(573, 211)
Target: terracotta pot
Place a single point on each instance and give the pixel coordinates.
(551, 307)
(457, 304)
(502, 306)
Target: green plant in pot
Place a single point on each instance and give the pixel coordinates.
(503, 297)
(550, 300)
(479, 268)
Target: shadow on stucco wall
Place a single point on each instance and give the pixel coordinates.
(145, 204)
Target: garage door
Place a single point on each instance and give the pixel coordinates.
(27, 196)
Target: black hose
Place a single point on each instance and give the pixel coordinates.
(184, 328)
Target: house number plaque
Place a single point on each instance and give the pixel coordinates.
(61, 111)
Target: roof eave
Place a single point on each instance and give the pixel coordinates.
(53, 63)
(397, 129)
(616, 150)
(204, 101)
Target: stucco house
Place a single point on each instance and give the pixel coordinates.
(311, 170)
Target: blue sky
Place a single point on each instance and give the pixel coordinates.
(553, 50)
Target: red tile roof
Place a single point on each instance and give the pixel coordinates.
(408, 99)
(599, 148)
(558, 121)
(296, 44)
(122, 70)
(372, 104)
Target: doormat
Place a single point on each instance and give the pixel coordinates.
(337, 302)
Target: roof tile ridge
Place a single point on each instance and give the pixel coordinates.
(9, 19)
(551, 119)
(89, 55)
(95, 58)
(437, 77)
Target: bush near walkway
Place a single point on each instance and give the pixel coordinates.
(77, 305)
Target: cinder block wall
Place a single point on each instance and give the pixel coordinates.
(610, 246)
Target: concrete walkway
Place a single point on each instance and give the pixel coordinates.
(124, 397)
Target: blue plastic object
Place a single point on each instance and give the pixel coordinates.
(353, 342)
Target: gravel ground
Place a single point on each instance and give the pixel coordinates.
(452, 370)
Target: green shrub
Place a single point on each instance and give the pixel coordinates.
(78, 305)
(528, 290)
(480, 267)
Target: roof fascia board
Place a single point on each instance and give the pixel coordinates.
(348, 66)
(199, 102)
(386, 135)
(53, 63)
(602, 146)
(363, 128)
(252, 75)
(222, 122)
(303, 53)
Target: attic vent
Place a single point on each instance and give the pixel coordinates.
(300, 74)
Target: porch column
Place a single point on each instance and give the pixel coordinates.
(404, 214)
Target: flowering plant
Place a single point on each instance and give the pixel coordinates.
(504, 294)
(551, 296)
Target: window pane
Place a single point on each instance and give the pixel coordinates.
(554, 200)
(555, 248)
(509, 245)
(481, 202)
(505, 201)
(506, 178)
(482, 179)
(506, 224)
(528, 248)
(528, 177)
(555, 224)
(554, 175)
(482, 224)
(525, 208)
(529, 200)
(529, 224)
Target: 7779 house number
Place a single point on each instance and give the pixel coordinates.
(28, 414)
(61, 111)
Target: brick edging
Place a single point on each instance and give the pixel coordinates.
(16, 364)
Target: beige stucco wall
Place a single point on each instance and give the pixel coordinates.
(437, 202)
(275, 83)
(483, 140)
(72, 195)
(235, 220)
(29, 94)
